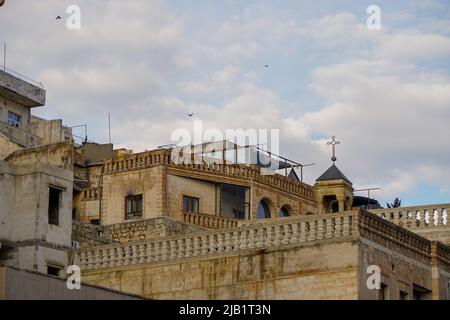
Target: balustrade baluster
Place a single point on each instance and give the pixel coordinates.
(295, 233)
(181, 248)
(303, 231)
(173, 249)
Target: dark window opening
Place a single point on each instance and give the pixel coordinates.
(133, 207)
(54, 203)
(284, 212)
(334, 206)
(53, 271)
(263, 210)
(95, 222)
(383, 295)
(191, 204)
(330, 204)
(234, 201)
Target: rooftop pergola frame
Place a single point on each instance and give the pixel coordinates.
(226, 152)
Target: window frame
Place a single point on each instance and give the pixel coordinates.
(14, 122)
(137, 206)
(190, 205)
(53, 218)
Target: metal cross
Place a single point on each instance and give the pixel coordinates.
(333, 142)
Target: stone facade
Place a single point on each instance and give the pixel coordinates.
(216, 230)
(295, 258)
(26, 177)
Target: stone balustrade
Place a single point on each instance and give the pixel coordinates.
(210, 221)
(272, 234)
(90, 194)
(416, 217)
(163, 157)
(290, 231)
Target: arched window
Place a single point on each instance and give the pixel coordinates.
(263, 210)
(284, 212)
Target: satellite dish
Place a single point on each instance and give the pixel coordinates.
(2, 2)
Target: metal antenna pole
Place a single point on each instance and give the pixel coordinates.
(4, 58)
(109, 126)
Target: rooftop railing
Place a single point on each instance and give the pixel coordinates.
(272, 234)
(163, 157)
(417, 216)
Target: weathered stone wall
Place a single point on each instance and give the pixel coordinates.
(7, 199)
(307, 257)
(325, 271)
(24, 201)
(7, 146)
(398, 272)
(9, 105)
(88, 235)
(148, 182)
(179, 186)
(147, 229)
(58, 155)
(50, 131)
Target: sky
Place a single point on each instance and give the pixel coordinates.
(384, 93)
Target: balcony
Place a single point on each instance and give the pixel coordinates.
(20, 89)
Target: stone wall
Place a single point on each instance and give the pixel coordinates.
(89, 235)
(25, 180)
(313, 272)
(147, 229)
(148, 182)
(308, 257)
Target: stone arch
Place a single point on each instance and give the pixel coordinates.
(264, 209)
(285, 210)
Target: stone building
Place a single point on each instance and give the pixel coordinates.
(150, 225)
(36, 182)
(261, 236)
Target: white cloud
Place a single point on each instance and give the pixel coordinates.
(148, 67)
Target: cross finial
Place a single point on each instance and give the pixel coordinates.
(333, 143)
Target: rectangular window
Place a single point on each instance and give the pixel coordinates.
(190, 204)
(95, 222)
(54, 203)
(53, 271)
(14, 119)
(133, 206)
(234, 201)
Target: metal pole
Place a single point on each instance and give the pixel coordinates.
(4, 58)
(109, 126)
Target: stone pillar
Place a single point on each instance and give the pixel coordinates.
(320, 207)
(341, 201)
